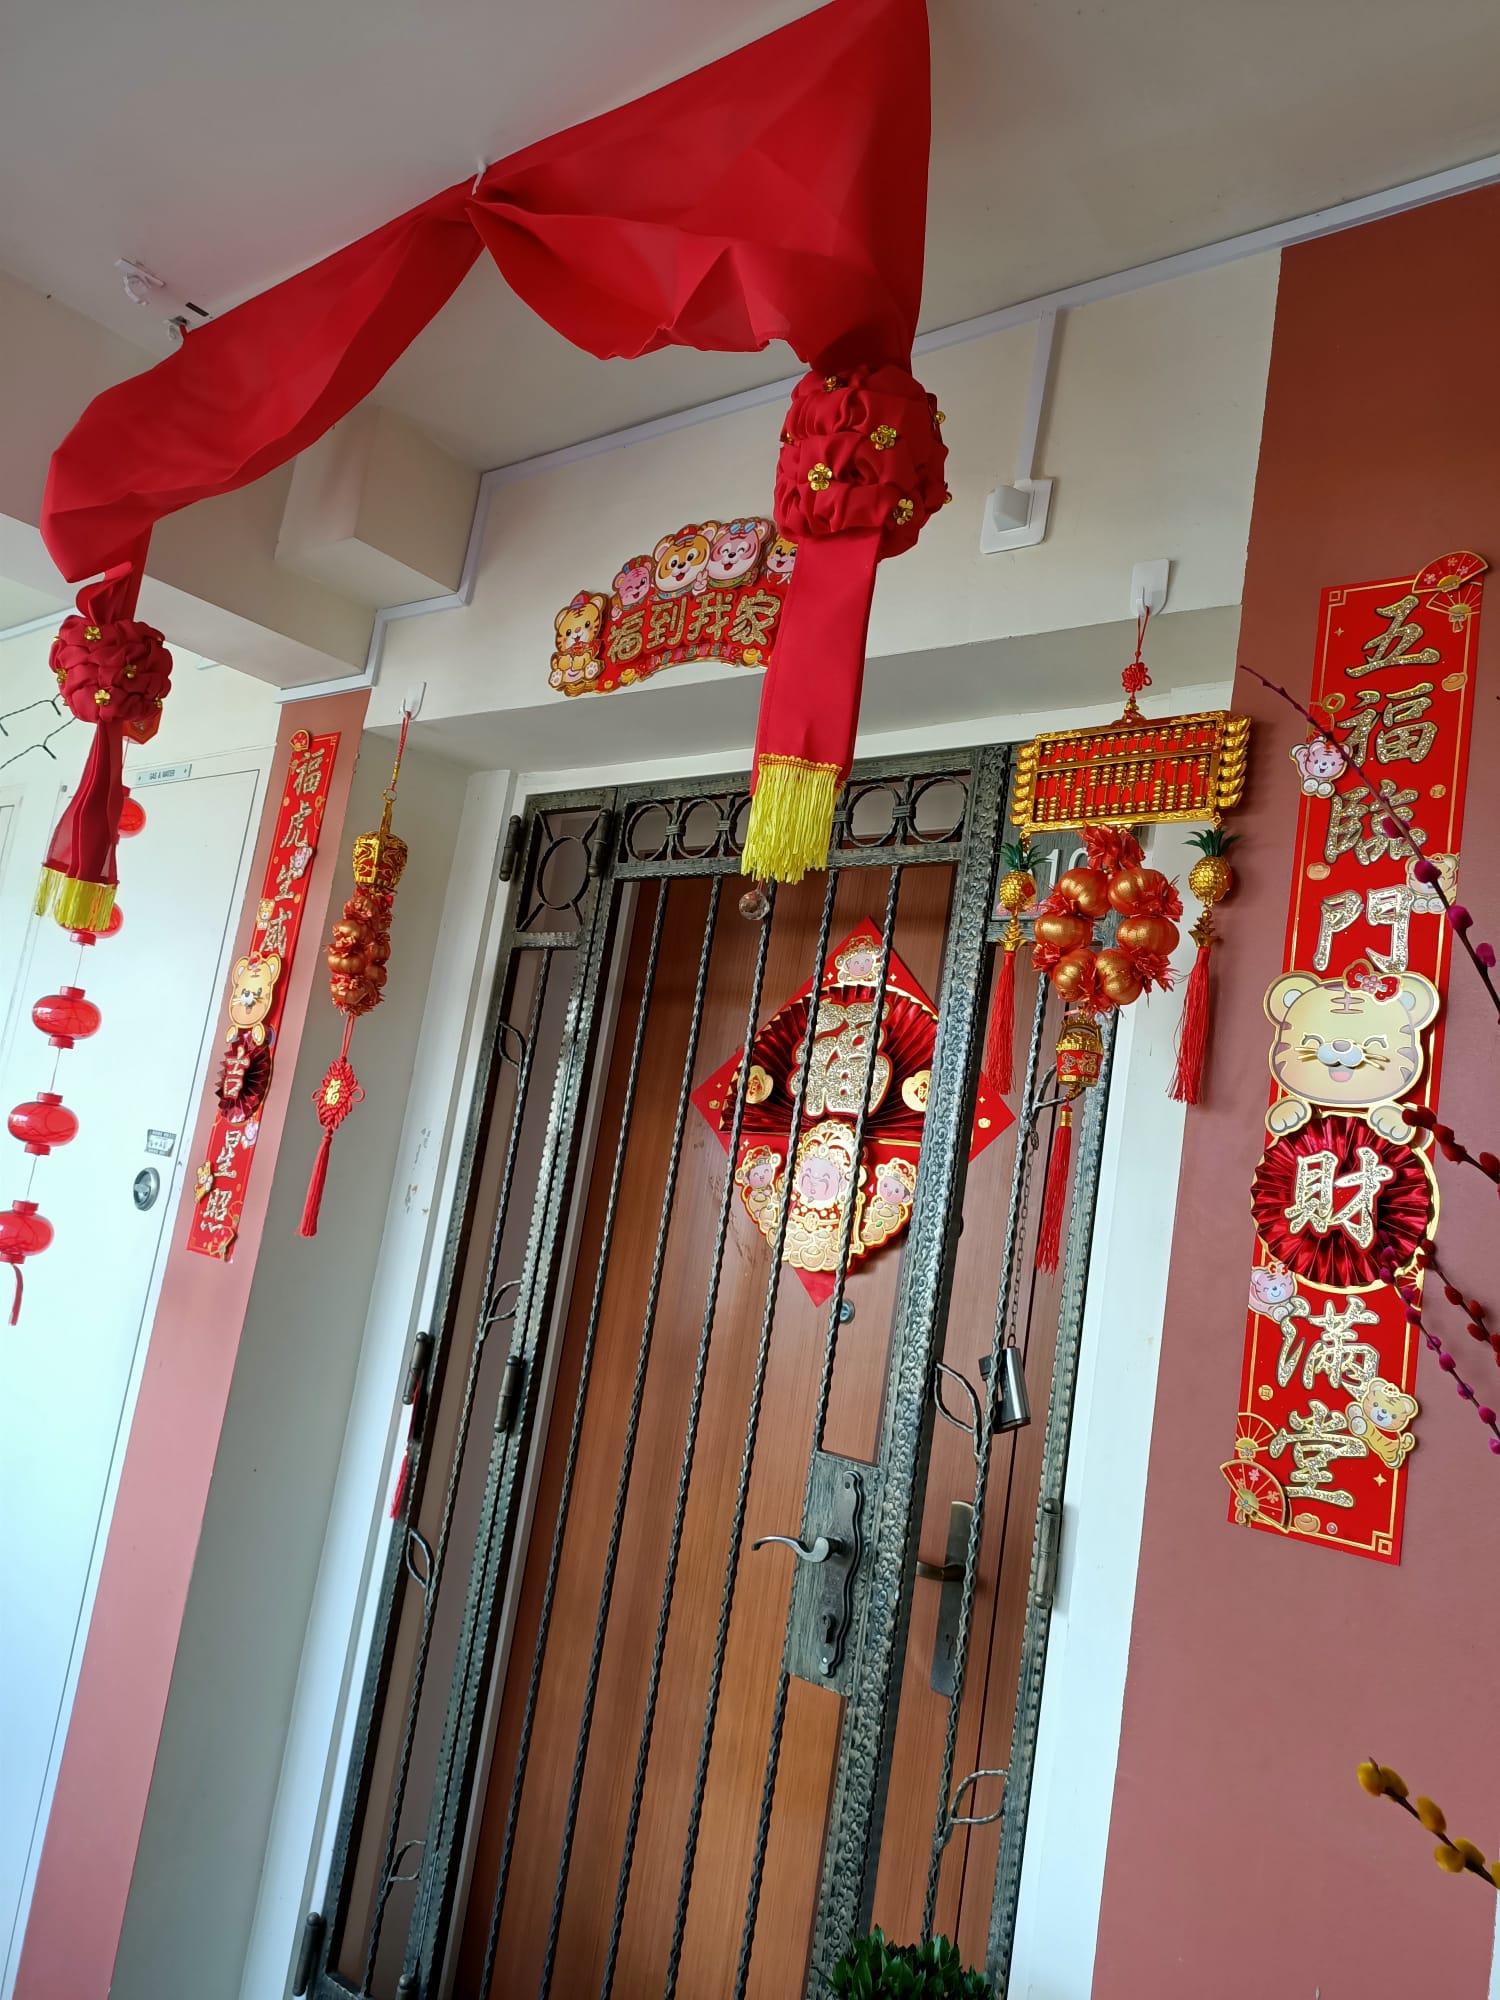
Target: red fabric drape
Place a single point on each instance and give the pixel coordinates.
(778, 193)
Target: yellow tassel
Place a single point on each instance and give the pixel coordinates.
(791, 818)
(77, 906)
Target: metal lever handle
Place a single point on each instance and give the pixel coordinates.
(820, 1551)
(940, 1572)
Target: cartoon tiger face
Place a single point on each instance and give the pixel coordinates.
(681, 559)
(1348, 1044)
(781, 558)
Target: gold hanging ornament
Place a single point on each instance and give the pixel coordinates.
(359, 948)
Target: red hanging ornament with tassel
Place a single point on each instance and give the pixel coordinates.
(358, 950)
(113, 672)
(1017, 893)
(1210, 880)
(1080, 1058)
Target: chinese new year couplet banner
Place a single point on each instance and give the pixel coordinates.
(1328, 1405)
(257, 992)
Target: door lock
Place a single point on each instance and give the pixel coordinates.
(823, 1597)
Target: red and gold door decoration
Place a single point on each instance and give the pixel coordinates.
(257, 993)
(883, 1170)
(1344, 1189)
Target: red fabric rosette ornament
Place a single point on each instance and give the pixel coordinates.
(860, 474)
(114, 672)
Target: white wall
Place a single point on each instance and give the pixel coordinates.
(197, 1869)
(74, 1362)
(1151, 433)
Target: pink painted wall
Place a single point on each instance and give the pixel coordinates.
(1244, 1861)
(94, 1829)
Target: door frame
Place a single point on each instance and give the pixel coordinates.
(929, 1283)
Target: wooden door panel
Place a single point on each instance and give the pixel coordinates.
(752, 1654)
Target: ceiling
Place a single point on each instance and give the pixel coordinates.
(225, 145)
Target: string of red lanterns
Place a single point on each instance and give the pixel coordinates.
(43, 1122)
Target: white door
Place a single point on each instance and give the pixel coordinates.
(70, 1369)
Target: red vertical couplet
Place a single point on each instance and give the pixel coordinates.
(1328, 1410)
(257, 992)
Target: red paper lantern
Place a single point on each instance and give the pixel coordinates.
(116, 923)
(43, 1122)
(132, 817)
(23, 1233)
(66, 1017)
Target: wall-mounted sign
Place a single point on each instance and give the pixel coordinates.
(714, 590)
(1327, 1402)
(257, 993)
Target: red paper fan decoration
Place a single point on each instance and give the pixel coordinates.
(1334, 1200)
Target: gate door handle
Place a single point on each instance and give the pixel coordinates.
(819, 1552)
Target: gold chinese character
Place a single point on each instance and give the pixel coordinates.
(1404, 737)
(1348, 833)
(233, 1140)
(216, 1208)
(1347, 1363)
(273, 933)
(296, 824)
(757, 613)
(668, 620)
(625, 636)
(308, 775)
(841, 1053)
(1316, 1440)
(1393, 647)
(711, 615)
(1312, 1205)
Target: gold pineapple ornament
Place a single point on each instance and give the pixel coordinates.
(1017, 893)
(1211, 878)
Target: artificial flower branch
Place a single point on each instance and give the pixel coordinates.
(1455, 1857)
(1482, 956)
(1406, 1290)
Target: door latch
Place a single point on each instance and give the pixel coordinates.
(828, 1554)
(950, 1574)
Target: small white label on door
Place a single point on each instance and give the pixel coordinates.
(159, 774)
(164, 1143)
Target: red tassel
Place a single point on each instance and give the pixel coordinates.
(1192, 1035)
(315, 1188)
(1055, 1201)
(400, 1493)
(15, 1311)
(999, 1047)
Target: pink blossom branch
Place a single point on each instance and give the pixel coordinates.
(1481, 956)
(1410, 1298)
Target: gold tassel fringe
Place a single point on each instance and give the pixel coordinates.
(791, 818)
(77, 906)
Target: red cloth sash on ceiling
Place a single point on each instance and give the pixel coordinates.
(779, 193)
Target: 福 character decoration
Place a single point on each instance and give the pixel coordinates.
(358, 951)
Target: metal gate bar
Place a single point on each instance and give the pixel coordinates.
(1027, 1138)
(689, 1452)
(1021, 1763)
(847, 1887)
(570, 1465)
(820, 1426)
(747, 1453)
(505, 1472)
(490, 1313)
(632, 1427)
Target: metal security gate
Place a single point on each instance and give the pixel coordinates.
(660, 1698)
